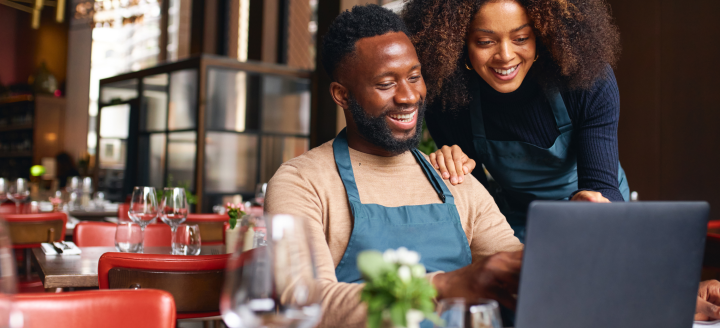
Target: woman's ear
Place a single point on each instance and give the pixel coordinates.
(339, 94)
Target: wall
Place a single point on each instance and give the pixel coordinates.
(8, 22)
(48, 44)
(670, 109)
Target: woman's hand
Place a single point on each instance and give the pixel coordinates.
(452, 163)
(708, 300)
(590, 196)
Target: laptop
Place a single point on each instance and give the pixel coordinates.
(616, 265)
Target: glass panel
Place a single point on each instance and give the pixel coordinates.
(286, 105)
(112, 153)
(183, 99)
(230, 162)
(181, 159)
(232, 102)
(119, 91)
(277, 150)
(115, 121)
(155, 100)
(151, 171)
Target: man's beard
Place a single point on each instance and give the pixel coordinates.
(377, 131)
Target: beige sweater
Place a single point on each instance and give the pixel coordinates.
(309, 186)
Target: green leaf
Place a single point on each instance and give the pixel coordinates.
(374, 320)
(372, 265)
(233, 220)
(397, 314)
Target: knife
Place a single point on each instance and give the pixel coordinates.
(57, 249)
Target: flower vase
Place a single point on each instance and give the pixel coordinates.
(412, 318)
(232, 236)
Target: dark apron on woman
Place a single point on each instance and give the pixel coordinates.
(432, 230)
(526, 172)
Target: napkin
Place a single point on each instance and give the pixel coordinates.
(72, 250)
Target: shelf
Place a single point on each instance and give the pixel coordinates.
(13, 99)
(16, 154)
(17, 127)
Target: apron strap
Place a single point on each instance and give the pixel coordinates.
(559, 111)
(437, 183)
(344, 165)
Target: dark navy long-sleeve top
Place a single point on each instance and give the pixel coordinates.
(525, 115)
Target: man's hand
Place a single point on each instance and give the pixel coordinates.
(590, 196)
(708, 300)
(494, 277)
(452, 163)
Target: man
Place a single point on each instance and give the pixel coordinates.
(369, 188)
(377, 81)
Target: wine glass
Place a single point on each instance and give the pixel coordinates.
(456, 313)
(19, 192)
(143, 206)
(4, 186)
(174, 211)
(260, 190)
(273, 285)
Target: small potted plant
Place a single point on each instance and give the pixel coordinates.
(396, 291)
(235, 212)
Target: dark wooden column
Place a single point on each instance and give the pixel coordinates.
(323, 117)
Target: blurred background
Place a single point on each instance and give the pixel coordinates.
(214, 95)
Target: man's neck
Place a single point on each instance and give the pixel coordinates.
(358, 142)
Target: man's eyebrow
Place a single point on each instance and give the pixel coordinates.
(390, 73)
(511, 31)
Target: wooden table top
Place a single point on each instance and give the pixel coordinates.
(62, 271)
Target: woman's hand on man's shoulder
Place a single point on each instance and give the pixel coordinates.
(452, 163)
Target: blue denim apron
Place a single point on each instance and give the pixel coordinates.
(526, 172)
(432, 230)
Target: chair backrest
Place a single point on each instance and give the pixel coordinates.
(98, 308)
(195, 282)
(30, 230)
(212, 227)
(91, 234)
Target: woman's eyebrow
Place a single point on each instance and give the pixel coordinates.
(511, 31)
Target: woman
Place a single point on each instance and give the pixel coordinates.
(525, 88)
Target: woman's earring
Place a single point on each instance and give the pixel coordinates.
(536, 57)
(469, 68)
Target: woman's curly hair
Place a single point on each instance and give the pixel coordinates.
(576, 40)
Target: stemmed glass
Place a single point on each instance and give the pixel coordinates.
(273, 285)
(19, 192)
(174, 212)
(4, 186)
(143, 206)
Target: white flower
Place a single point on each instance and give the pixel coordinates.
(390, 256)
(413, 317)
(404, 256)
(404, 273)
(418, 270)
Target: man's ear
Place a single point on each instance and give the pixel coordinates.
(340, 94)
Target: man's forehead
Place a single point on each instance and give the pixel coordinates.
(382, 52)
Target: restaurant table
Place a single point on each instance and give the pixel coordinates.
(65, 271)
(83, 215)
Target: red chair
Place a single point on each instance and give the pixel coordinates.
(99, 308)
(123, 212)
(10, 208)
(28, 231)
(92, 234)
(212, 227)
(195, 282)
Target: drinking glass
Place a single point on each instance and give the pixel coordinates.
(129, 238)
(4, 186)
(174, 211)
(260, 190)
(273, 285)
(143, 206)
(19, 191)
(482, 313)
(186, 240)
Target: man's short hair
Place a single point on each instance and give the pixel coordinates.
(351, 26)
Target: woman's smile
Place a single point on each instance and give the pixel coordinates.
(505, 74)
